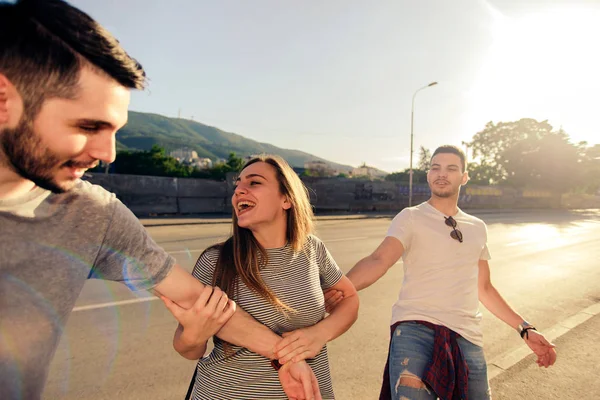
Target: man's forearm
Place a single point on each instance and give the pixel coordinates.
(341, 318)
(243, 330)
(495, 303)
(366, 272)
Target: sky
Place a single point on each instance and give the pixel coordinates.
(336, 78)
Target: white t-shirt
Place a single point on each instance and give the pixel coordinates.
(440, 273)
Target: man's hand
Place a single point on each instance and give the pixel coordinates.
(332, 298)
(209, 313)
(299, 381)
(546, 354)
(300, 344)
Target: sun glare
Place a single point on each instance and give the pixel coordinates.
(542, 65)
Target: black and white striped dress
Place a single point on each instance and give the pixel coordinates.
(298, 279)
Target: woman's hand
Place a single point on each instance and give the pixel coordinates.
(300, 344)
(299, 381)
(209, 313)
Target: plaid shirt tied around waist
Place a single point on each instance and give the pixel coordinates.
(447, 374)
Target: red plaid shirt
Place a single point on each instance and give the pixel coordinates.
(447, 374)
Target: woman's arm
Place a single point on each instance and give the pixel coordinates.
(307, 342)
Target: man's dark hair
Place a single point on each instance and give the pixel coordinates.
(45, 43)
(452, 150)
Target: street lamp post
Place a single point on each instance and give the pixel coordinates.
(412, 117)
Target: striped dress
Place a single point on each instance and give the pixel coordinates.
(298, 279)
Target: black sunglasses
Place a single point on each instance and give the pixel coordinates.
(455, 234)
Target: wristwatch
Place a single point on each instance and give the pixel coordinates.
(524, 327)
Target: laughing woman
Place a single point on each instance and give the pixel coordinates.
(276, 270)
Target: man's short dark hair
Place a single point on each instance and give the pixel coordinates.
(452, 150)
(45, 43)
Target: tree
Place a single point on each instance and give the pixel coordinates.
(491, 144)
(404, 176)
(424, 159)
(234, 163)
(480, 173)
(153, 162)
(590, 167)
(546, 162)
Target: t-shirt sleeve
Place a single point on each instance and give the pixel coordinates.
(329, 272)
(400, 227)
(128, 254)
(205, 266)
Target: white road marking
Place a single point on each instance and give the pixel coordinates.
(114, 304)
(343, 239)
(144, 299)
(186, 251)
(327, 241)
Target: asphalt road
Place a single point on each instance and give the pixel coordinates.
(118, 345)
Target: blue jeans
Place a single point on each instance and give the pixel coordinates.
(411, 350)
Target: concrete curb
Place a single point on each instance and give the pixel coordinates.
(503, 362)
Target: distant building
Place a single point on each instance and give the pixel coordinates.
(184, 155)
(202, 163)
(369, 172)
(190, 157)
(319, 168)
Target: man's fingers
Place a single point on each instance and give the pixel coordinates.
(316, 389)
(330, 293)
(332, 298)
(306, 380)
(552, 356)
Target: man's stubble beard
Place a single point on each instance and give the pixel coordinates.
(22, 151)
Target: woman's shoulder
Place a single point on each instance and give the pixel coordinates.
(211, 253)
(207, 261)
(313, 241)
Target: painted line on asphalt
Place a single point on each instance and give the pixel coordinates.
(344, 239)
(503, 362)
(520, 242)
(114, 304)
(185, 251)
(327, 241)
(144, 299)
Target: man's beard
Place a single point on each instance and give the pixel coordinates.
(444, 194)
(24, 152)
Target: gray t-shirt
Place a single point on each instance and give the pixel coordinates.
(49, 245)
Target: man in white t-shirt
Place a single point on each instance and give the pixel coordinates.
(436, 339)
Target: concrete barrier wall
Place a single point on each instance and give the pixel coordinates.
(147, 195)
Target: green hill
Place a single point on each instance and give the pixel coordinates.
(143, 130)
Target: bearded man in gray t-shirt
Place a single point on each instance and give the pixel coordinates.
(64, 92)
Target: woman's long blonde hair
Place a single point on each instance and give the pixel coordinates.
(241, 255)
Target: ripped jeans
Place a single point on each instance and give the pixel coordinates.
(411, 351)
